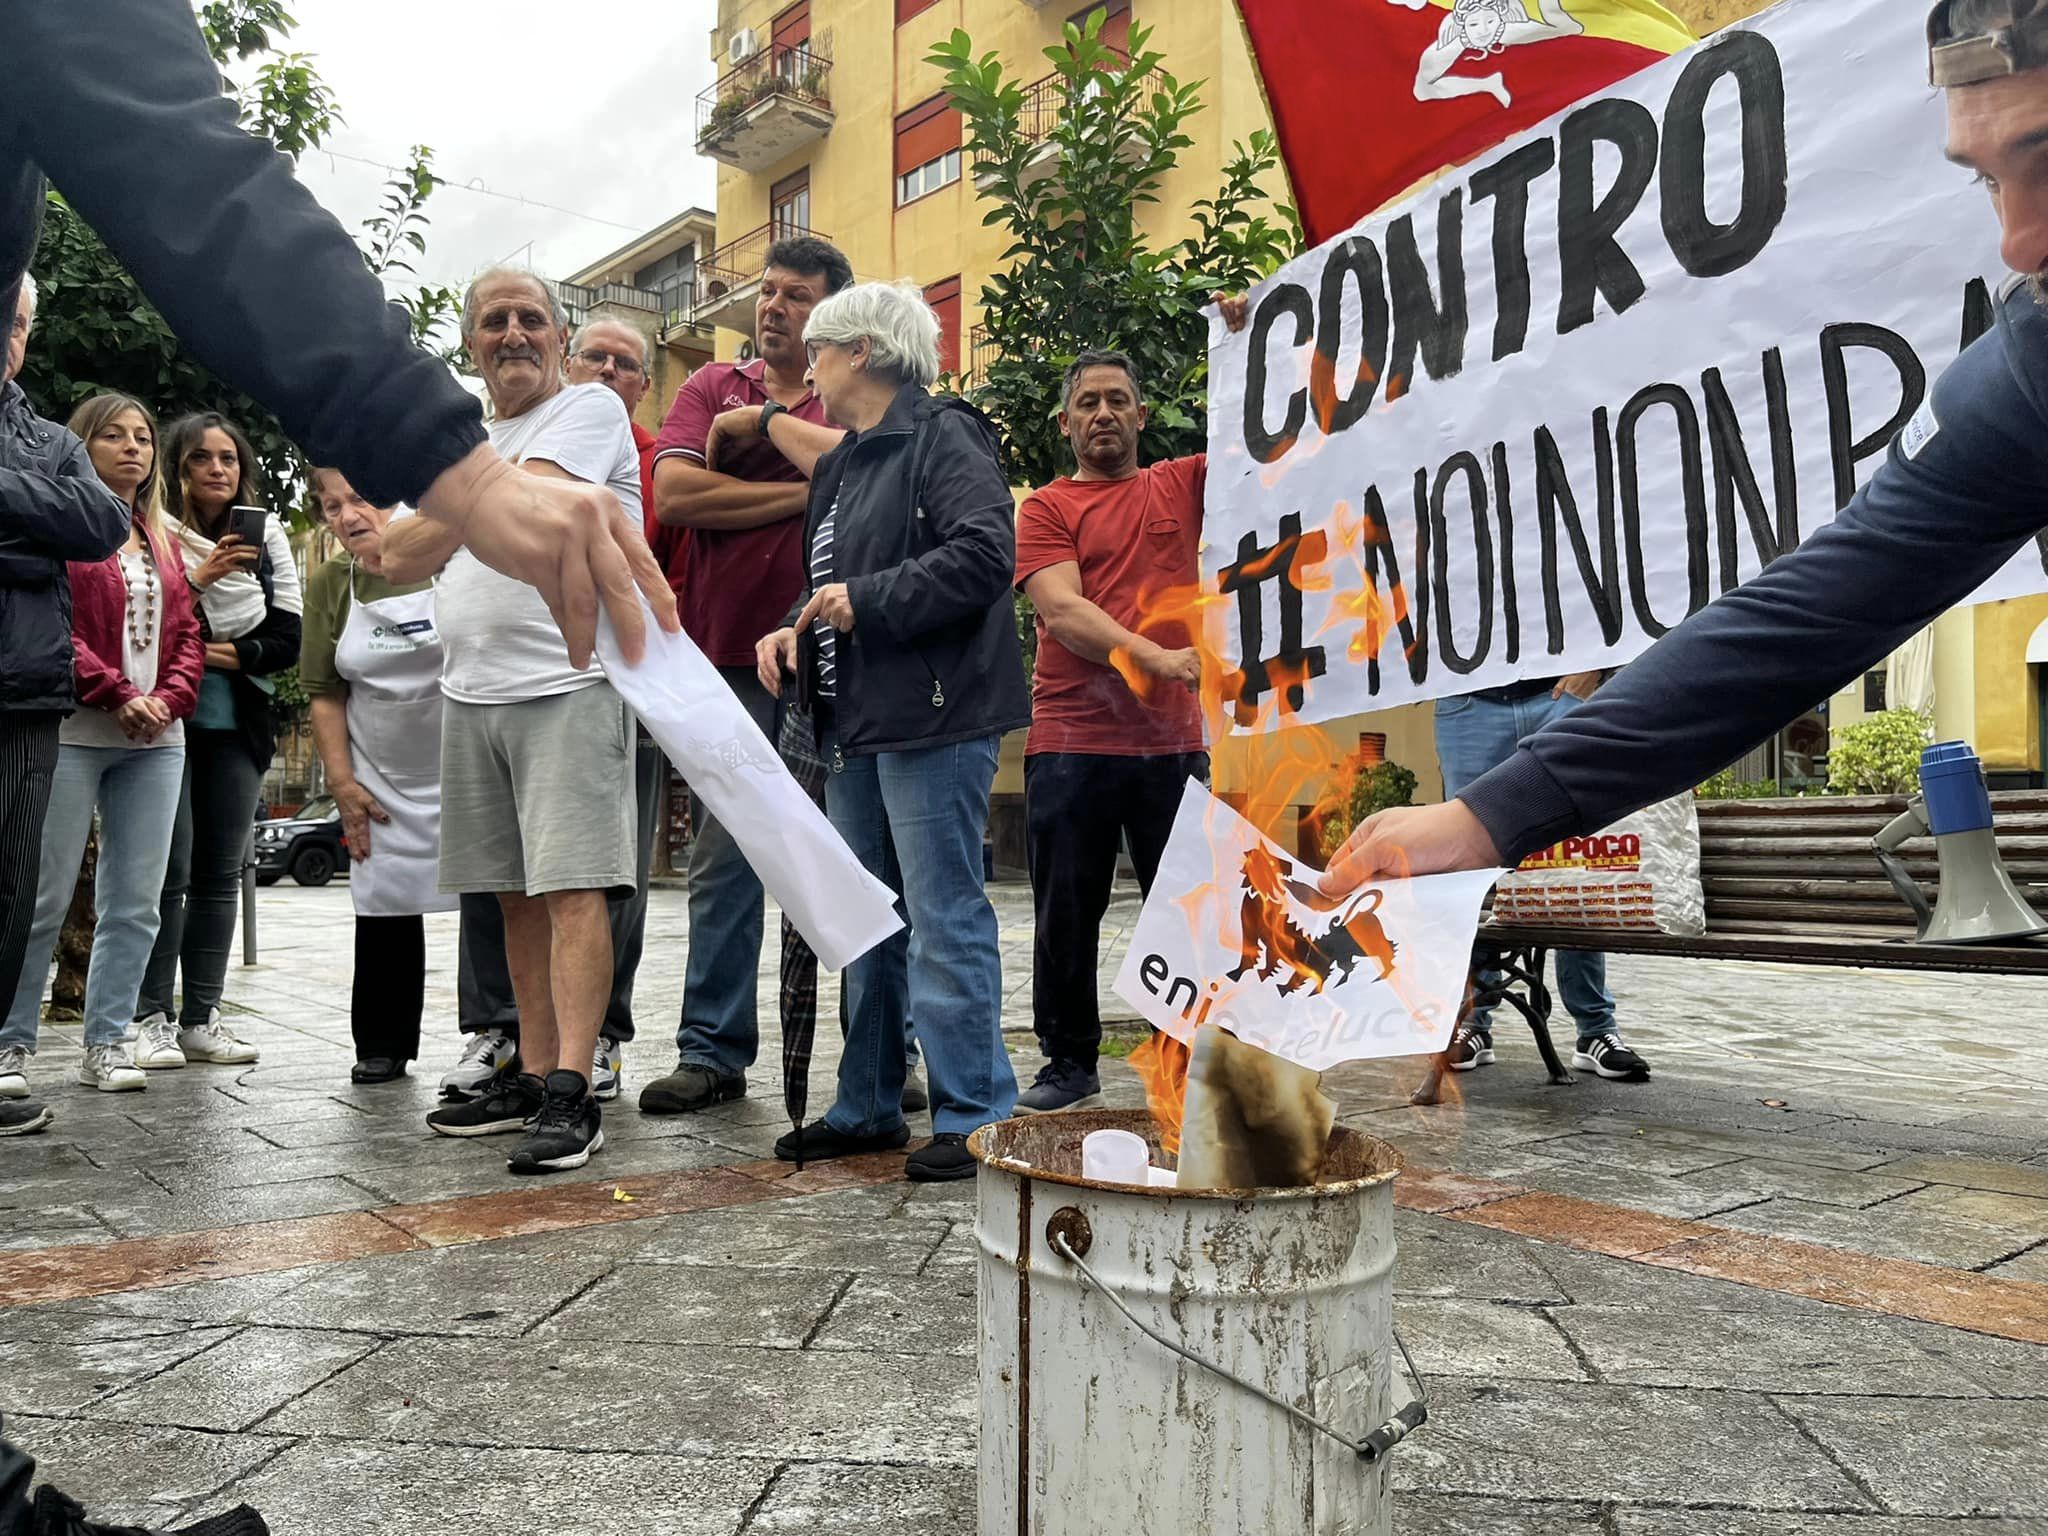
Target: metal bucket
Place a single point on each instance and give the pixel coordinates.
(1151, 1359)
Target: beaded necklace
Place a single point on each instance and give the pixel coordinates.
(143, 634)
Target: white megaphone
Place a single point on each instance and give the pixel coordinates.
(1977, 902)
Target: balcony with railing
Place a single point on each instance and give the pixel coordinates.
(583, 301)
(729, 279)
(982, 350)
(1044, 101)
(768, 107)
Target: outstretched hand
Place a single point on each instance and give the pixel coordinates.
(1410, 840)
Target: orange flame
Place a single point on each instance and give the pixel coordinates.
(1162, 1063)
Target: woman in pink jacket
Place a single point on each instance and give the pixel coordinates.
(138, 657)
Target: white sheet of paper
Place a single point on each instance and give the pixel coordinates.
(1235, 933)
(841, 909)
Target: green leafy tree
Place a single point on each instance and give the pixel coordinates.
(96, 331)
(1880, 754)
(1066, 168)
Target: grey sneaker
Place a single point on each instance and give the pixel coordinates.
(1060, 1085)
(156, 1045)
(214, 1041)
(24, 1117)
(486, 1055)
(13, 1073)
(107, 1068)
(608, 1071)
(689, 1088)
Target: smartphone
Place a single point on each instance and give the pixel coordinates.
(246, 524)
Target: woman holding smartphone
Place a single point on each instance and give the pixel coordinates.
(238, 565)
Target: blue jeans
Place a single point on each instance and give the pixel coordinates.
(916, 820)
(721, 1025)
(1474, 735)
(136, 791)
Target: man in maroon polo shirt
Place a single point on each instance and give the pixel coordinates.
(743, 506)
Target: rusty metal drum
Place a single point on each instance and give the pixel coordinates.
(1151, 1358)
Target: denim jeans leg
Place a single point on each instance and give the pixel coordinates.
(1581, 973)
(720, 1026)
(871, 1064)
(1474, 735)
(936, 801)
(160, 977)
(629, 913)
(73, 789)
(138, 803)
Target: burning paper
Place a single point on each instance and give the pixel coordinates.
(1235, 932)
(841, 909)
(1252, 1121)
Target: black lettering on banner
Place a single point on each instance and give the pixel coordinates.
(1704, 248)
(1507, 182)
(1554, 491)
(1152, 970)
(1980, 315)
(1735, 476)
(1591, 261)
(1692, 469)
(1281, 299)
(1845, 449)
(1424, 322)
(1504, 512)
(1462, 463)
(1411, 608)
(1248, 578)
(1356, 260)
(1174, 991)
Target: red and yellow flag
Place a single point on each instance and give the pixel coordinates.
(1370, 97)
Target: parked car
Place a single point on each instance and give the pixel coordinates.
(306, 845)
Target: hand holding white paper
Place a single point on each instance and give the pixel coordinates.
(841, 909)
(1236, 933)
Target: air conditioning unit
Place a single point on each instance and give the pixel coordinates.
(742, 46)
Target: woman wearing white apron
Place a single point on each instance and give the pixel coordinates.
(372, 663)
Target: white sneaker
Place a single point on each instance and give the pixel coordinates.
(214, 1041)
(135, 1027)
(607, 1070)
(485, 1054)
(156, 1045)
(13, 1073)
(107, 1068)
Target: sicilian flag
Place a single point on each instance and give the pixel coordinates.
(1370, 97)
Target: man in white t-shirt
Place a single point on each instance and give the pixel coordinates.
(537, 801)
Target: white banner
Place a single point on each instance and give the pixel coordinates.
(1525, 422)
(1235, 933)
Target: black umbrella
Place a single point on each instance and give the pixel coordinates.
(799, 996)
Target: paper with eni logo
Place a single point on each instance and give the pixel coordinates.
(1236, 932)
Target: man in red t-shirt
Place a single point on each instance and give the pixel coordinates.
(743, 506)
(1108, 556)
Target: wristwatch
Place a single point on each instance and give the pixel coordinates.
(769, 412)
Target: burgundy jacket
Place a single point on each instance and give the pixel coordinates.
(99, 612)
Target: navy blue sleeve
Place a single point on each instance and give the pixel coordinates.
(120, 105)
(59, 510)
(1930, 527)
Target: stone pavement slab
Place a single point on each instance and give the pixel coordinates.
(866, 1501)
(924, 1316)
(57, 1379)
(1973, 1458)
(1453, 1338)
(238, 1382)
(645, 1303)
(446, 1291)
(138, 1473)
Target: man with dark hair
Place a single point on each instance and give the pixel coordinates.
(742, 499)
(1109, 558)
(1963, 489)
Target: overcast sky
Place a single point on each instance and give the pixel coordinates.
(591, 108)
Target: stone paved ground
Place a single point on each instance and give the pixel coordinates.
(805, 1363)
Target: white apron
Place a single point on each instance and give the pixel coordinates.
(390, 654)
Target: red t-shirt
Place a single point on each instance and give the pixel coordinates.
(1135, 540)
(671, 546)
(742, 580)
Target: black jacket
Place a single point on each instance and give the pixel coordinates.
(118, 103)
(1963, 489)
(926, 542)
(53, 508)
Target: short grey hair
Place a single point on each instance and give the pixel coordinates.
(491, 274)
(892, 318)
(583, 333)
(28, 291)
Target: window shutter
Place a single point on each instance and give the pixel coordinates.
(944, 298)
(926, 132)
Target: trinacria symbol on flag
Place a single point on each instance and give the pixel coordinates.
(1480, 29)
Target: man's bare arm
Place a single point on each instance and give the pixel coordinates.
(688, 495)
(1088, 632)
(417, 547)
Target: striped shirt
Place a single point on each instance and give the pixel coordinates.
(827, 636)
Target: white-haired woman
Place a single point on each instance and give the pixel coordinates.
(905, 650)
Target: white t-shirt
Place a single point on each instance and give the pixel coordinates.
(500, 643)
(89, 727)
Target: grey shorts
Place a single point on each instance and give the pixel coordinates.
(538, 796)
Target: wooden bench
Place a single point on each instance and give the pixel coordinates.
(1789, 881)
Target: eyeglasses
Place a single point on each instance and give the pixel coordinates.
(597, 357)
(813, 348)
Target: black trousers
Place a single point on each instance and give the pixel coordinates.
(390, 991)
(1079, 808)
(28, 763)
(483, 982)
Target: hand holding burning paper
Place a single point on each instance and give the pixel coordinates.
(1236, 933)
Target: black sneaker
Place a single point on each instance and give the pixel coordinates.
(689, 1088)
(1606, 1055)
(508, 1106)
(942, 1158)
(568, 1129)
(24, 1117)
(816, 1142)
(1471, 1046)
(1059, 1085)
(54, 1514)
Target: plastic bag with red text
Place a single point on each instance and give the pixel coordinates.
(1642, 873)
